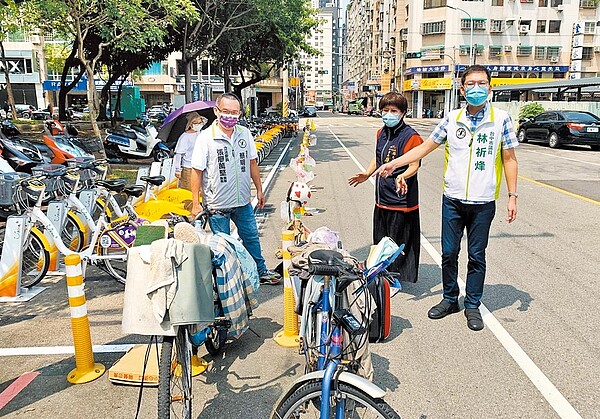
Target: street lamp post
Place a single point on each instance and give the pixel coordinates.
(471, 53)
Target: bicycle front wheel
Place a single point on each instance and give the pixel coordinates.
(71, 235)
(35, 263)
(117, 268)
(306, 402)
(175, 376)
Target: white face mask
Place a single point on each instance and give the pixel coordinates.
(197, 127)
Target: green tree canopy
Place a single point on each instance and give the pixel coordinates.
(277, 36)
(127, 25)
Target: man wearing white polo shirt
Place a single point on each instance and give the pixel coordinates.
(223, 162)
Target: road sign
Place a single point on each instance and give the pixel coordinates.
(411, 55)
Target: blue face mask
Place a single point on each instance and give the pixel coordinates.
(476, 95)
(390, 120)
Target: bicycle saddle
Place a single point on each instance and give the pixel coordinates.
(154, 180)
(134, 190)
(114, 185)
(326, 257)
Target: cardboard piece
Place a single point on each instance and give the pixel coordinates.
(128, 370)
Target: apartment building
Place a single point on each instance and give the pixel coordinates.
(517, 40)
(25, 62)
(316, 70)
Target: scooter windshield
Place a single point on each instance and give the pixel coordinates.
(68, 146)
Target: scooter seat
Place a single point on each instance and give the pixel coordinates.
(139, 129)
(154, 180)
(134, 190)
(114, 185)
(123, 133)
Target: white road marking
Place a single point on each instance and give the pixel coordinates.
(554, 156)
(558, 402)
(61, 350)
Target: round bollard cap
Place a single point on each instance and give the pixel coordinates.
(287, 235)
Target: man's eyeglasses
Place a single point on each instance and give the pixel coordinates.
(229, 112)
(482, 83)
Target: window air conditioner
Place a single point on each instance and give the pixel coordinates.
(507, 48)
(597, 49)
(560, 8)
(35, 39)
(523, 28)
(553, 59)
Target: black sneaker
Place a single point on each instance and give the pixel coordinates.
(441, 310)
(270, 278)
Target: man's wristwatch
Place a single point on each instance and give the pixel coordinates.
(516, 195)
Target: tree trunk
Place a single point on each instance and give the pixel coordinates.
(237, 88)
(187, 66)
(9, 92)
(65, 88)
(117, 110)
(105, 96)
(226, 78)
(93, 107)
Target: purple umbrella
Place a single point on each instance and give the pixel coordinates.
(174, 125)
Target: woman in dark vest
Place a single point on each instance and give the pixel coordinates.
(396, 213)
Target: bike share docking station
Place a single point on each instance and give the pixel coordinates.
(11, 262)
(303, 164)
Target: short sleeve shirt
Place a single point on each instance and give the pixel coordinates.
(225, 163)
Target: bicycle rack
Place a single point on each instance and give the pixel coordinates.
(57, 214)
(11, 262)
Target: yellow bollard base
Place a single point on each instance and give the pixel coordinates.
(287, 341)
(199, 365)
(78, 377)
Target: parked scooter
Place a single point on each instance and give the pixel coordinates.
(135, 142)
(20, 153)
(62, 142)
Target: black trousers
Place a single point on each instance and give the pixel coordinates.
(402, 227)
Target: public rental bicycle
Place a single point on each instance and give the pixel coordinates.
(332, 388)
(108, 245)
(178, 361)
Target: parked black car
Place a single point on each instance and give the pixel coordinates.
(562, 127)
(309, 111)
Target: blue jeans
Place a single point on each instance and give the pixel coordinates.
(477, 219)
(243, 218)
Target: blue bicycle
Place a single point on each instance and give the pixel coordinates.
(331, 388)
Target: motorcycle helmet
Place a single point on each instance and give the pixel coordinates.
(299, 192)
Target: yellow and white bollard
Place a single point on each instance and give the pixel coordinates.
(288, 337)
(285, 112)
(305, 139)
(85, 368)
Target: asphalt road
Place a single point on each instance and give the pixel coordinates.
(536, 358)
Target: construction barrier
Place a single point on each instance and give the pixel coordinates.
(85, 368)
(288, 337)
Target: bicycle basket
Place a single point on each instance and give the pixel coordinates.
(87, 175)
(54, 171)
(9, 190)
